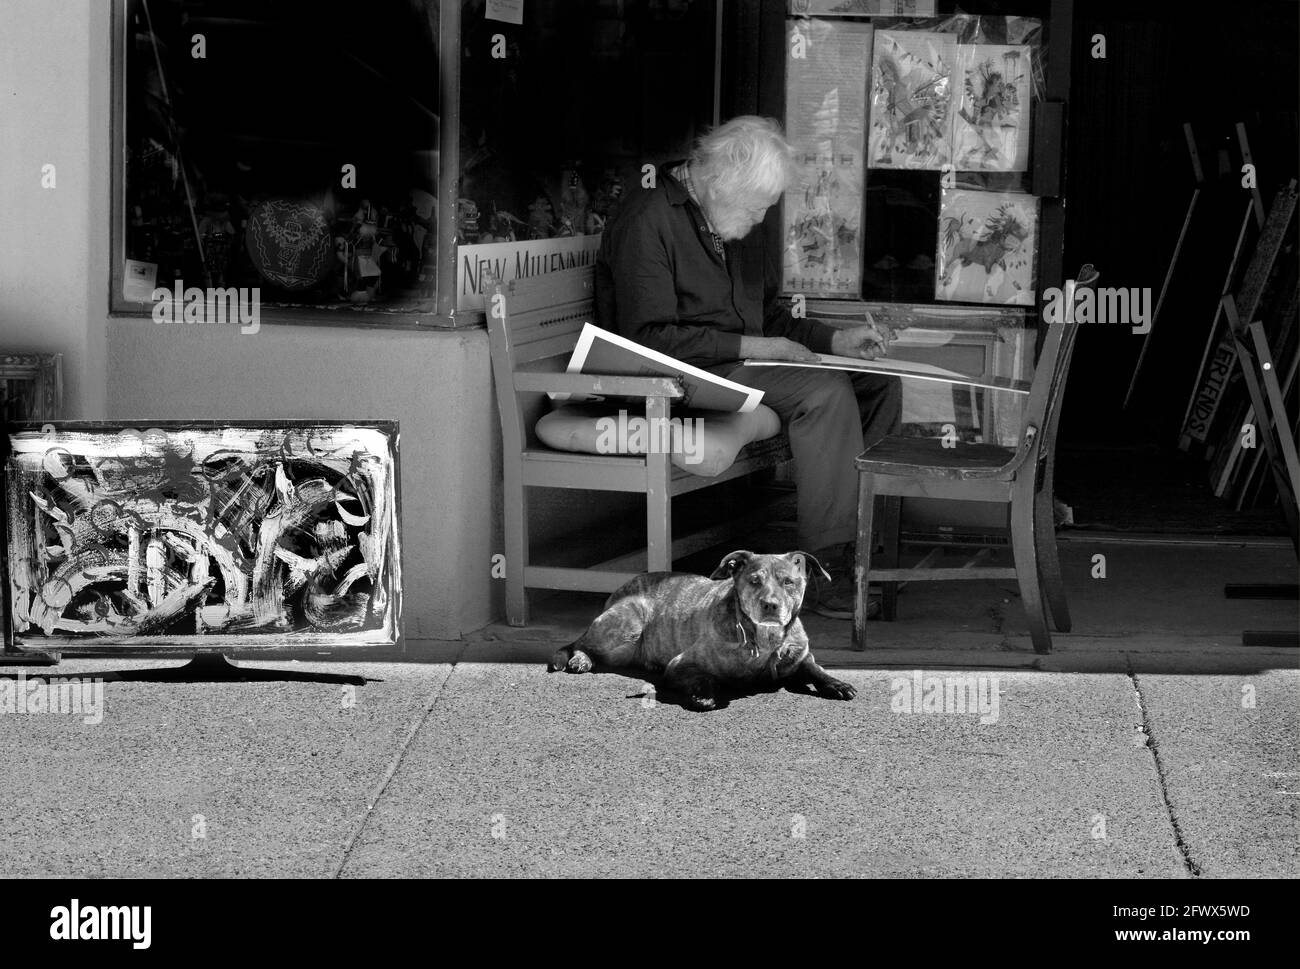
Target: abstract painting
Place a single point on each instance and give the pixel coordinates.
(991, 124)
(825, 108)
(988, 243)
(202, 534)
(911, 99)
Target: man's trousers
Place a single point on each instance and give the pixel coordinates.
(831, 416)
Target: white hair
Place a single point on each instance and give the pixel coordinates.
(746, 157)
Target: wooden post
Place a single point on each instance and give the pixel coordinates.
(448, 156)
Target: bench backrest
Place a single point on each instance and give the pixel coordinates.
(536, 328)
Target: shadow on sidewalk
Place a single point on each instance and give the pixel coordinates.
(204, 668)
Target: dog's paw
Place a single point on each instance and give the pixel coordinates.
(579, 662)
(838, 690)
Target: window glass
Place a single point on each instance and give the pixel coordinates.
(290, 146)
(560, 113)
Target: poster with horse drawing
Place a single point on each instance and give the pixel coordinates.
(202, 534)
(988, 243)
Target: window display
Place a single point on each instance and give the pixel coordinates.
(987, 247)
(991, 124)
(825, 114)
(289, 147)
(911, 99)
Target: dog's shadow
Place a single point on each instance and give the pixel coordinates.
(723, 695)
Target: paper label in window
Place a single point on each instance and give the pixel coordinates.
(509, 11)
(138, 279)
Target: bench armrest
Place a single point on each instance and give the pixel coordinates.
(604, 385)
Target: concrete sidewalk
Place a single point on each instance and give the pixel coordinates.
(1148, 744)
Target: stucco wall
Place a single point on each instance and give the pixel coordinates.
(435, 384)
(53, 81)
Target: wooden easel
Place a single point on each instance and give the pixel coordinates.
(1274, 430)
(1199, 173)
(1250, 292)
(1218, 316)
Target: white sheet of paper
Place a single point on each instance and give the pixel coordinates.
(139, 280)
(507, 11)
(604, 352)
(900, 368)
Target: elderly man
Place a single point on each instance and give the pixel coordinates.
(681, 271)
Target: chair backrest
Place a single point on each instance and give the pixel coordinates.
(1043, 409)
(535, 324)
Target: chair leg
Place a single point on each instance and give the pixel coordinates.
(658, 496)
(862, 563)
(516, 536)
(1049, 560)
(1025, 551)
(892, 558)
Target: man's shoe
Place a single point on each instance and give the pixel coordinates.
(835, 599)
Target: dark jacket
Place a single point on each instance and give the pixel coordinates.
(660, 282)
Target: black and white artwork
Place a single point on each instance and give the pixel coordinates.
(198, 535)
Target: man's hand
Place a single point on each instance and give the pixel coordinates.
(775, 348)
(868, 341)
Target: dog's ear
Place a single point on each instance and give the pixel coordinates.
(805, 561)
(732, 564)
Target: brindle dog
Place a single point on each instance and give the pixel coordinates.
(739, 626)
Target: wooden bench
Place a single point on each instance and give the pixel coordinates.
(533, 325)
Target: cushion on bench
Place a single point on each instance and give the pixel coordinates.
(704, 442)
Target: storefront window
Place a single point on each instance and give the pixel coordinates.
(560, 112)
(290, 146)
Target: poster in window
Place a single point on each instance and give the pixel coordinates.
(825, 110)
(911, 95)
(991, 124)
(988, 243)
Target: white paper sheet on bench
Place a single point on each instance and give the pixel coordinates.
(901, 368)
(602, 352)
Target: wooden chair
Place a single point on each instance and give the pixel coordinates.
(532, 333)
(899, 467)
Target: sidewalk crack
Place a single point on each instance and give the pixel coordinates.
(1153, 745)
(396, 762)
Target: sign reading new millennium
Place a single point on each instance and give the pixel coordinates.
(478, 266)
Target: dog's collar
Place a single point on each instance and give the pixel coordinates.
(740, 625)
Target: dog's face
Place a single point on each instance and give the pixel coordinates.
(769, 590)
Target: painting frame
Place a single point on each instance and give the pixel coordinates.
(285, 452)
(45, 372)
